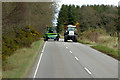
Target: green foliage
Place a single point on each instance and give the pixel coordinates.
(118, 22)
(16, 15)
(23, 38)
(19, 64)
(90, 16)
(66, 15)
(100, 8)
(108, 51)
(92, 34)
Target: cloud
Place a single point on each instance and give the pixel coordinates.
(119, 3)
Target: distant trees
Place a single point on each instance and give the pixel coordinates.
(90, 16)
(118, 25)
(66, 15)
(118, 29)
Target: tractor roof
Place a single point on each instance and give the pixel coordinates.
(71, 26)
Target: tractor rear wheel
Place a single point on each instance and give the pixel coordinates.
(45, 39)
(57, 39)
(65, 38)
(75, 39)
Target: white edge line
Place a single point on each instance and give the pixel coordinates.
(39, 62)
(76, 58)
(38, 65)
(88, 71)
(43, 47)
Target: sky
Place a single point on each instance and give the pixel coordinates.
(85, 2)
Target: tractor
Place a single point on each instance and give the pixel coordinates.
(51, 34)
(70, 32)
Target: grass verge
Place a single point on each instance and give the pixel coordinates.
(19, 64)
(85, 42)
(61, 36)
(109, 51)
(102, 48)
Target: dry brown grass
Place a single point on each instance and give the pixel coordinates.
(111, 42)
(100, 37)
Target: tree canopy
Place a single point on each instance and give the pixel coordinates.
(90, 16)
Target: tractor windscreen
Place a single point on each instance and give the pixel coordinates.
(51, 30)
(71, 28)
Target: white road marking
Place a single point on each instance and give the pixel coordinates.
(43, 47)
(88, 70)
(66, 47)
(39, 61)
(70, 51)
(76, 58)
(38, 65)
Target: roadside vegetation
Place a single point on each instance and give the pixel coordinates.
(98, 25)
(19, 64)
(23, 38)
(22, 24)
(102, 42)
(109, 51)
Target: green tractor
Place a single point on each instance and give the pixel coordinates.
(51, 34)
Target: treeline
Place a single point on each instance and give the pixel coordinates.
(118, 26)
(90, 16)
(23, 23)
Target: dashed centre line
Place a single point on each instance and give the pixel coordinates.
(76, 58)
(88, 70)
(70, 51)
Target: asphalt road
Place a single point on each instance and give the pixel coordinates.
(60, 59)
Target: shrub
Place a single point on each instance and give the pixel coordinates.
(23, 38)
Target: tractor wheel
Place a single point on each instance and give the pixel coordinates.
(75, 39)
(65, 38)
(57, 39)
(45, 39)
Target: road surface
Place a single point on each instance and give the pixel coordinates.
(73, 60)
